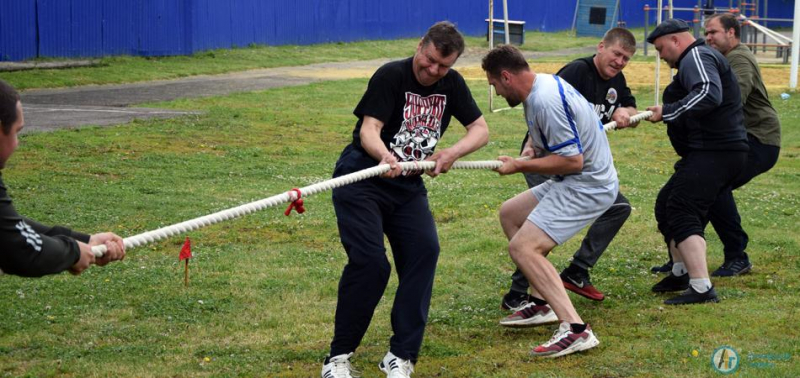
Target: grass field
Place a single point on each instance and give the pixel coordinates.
(263, 288)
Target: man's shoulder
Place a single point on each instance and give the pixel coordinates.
(580, 64)
(740, 53)
(696, 54)
(395, 67)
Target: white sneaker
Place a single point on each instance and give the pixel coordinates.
(396, 367)
(529, 316)
(338, 367)
(564, 342)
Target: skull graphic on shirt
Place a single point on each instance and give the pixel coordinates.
(421, 128)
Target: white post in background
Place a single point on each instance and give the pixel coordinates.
(671, 16)
(491, 44)
(795, 45)
(658, 57)
(505, 20)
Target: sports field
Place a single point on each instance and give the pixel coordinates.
(262, 288)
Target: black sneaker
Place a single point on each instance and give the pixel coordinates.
(691, 296)
(514, 300)
(672, 283)
(666, 268)
(733, 268)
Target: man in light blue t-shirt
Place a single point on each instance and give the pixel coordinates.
(566, 141)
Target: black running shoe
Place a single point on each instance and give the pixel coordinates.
(666, 268)
(514, 300)
(733, 268)
(672, 283)
(691, 296)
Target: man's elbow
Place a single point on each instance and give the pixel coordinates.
(484, 139)
(576, 164)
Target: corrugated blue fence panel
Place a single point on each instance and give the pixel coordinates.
(243, 30)
(160, 27)
(211, 23)
(55, 19)
(75, 28)
(264, 24)
(119, 28)
(86, 28)
(17, 30)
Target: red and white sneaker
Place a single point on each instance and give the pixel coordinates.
(578, 282)
(529, 316)
(564, 342)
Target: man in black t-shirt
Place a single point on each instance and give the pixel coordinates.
(401, 117)
(28, 248)
(600, 80)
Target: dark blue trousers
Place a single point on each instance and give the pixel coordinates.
(724, 215)
(365, 212)
(683, 203)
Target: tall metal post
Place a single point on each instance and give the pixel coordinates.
(505, 19)
(658, 57)
(491, 44)
(795, 45)
(646, 26)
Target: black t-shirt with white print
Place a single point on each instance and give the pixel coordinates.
(605, 95)
(415, 117)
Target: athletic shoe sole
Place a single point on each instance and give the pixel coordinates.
(548, 318)
(734, 274)
(580, 291)
(577, 346)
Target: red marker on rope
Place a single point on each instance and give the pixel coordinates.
(297, 204)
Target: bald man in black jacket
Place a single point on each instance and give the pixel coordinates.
(703, 112)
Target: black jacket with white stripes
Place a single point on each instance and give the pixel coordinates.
(703, 105)
(30, 249)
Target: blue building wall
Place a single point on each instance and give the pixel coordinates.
(93, 28)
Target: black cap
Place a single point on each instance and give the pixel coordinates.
(671, 26)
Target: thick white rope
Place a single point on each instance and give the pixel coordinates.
(291, 196)
(641, 116)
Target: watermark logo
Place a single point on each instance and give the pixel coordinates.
(725, 360)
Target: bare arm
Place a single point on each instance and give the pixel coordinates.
(477, 136)
(548, 165)
(371, 141)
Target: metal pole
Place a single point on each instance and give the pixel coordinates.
(658, 58)
(491, 44)
(575, 16)
(671, 16)
(646, 24)
(505, 18)
(795, 45)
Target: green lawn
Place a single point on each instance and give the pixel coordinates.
(263, 288)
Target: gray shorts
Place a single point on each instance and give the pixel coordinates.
(565, 207)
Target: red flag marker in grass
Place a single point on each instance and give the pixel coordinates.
(186, 254)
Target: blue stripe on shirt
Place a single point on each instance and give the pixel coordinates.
(571, 122)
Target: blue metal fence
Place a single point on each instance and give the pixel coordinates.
(92, 28)
(17, 29)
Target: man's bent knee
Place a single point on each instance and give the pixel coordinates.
(520, 251)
